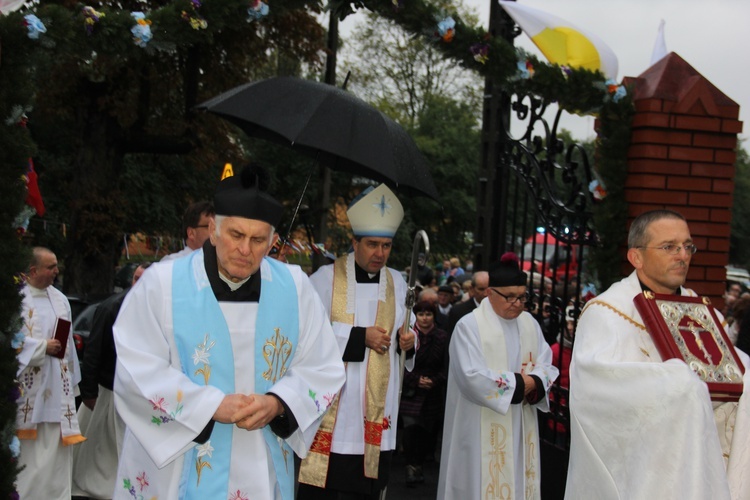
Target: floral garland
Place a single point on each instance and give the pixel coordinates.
(183, 23)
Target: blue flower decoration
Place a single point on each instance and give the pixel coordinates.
(35, 26)
(445, 28)
(257, 11)
(15, 447)
(17, 340)
(612, 90)
(142, 29)
(526, 69)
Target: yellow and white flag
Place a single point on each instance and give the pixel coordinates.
(561, 42)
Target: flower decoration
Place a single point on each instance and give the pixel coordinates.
(526, 69)
(15, 447)
(34, 25)
(566, 71)
(91, 17)
(257, 10)
(614, 91)
(597, 189)
(141, 30)
(445, 29)
(196, 21)
(17, 341)
(480, 52)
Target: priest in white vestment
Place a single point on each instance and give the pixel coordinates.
(641, 427)
(499, 375)
(225, 363)
(366, 303)
(46, 422)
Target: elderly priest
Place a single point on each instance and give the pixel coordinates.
(500, 373)
(226, 363)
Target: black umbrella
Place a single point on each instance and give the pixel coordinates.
(339, 129)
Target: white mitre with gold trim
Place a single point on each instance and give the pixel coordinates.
(375, 212)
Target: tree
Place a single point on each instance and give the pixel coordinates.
(436, 100)
(106, 108)
(739, 241)
(400, 74)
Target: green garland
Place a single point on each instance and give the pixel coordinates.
(103, 39)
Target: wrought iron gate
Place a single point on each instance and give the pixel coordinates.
(542, 211)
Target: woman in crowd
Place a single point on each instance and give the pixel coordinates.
(423, 395)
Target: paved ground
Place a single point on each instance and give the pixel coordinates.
(397, 489)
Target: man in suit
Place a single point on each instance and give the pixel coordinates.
(479, 283)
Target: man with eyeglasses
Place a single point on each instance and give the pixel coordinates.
(194, 228)
(499, 374)
(643, 428)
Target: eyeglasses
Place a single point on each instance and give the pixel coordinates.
(675, 249)
(512, 299)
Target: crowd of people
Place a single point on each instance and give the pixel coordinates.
(224, 373)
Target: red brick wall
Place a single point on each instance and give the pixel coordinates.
(682, 158)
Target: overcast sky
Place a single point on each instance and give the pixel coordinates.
(711, 35)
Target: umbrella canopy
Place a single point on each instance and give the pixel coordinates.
(339, 129)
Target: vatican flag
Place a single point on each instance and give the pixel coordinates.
(561, 42)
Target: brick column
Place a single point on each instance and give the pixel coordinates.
(682, 158)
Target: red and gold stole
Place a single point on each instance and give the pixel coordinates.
(314, 468)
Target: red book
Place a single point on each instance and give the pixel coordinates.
(689, 329)
(62, 330)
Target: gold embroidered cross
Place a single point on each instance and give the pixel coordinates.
(26, 409)
(69, 415)
(276, 352)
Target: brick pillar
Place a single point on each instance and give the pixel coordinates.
(681, 157)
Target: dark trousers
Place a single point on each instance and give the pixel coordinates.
(307, 492)
(346, 479)
(417, 440)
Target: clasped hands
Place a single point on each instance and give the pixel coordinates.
(377, 339)
(248, 412)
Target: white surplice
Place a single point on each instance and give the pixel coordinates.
(643, 428)
(348, 434)
(149, 374)
(472, 385)
(47, 462)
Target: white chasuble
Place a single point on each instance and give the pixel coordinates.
(476, 384)
(165, 410)
(644, 428)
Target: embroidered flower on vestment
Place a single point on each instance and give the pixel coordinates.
(160, 404)
(327, 400)
(142, 481)
(238, 495)
(503, 384)
(205, 449)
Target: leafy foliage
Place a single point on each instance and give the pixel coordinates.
(739, 243)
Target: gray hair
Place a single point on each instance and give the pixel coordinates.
(218, 219)
(637, 236)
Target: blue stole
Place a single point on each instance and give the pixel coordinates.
(202, 335)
